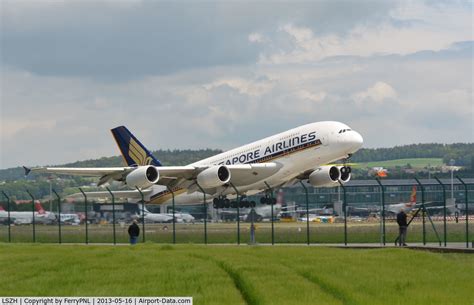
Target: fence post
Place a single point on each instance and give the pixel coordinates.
(59, 215)
(174, 221)
(271, 203)
(86, 219)
(205, 212)
(344, 206)
(9, 218)
(33, 213)
(424, 210)
(307, 211)
(444, 210)
(143, 213)
(113, 214)
(238, 212)
(382, 188)
(466, 201)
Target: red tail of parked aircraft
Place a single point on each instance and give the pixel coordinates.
(413, 195)
(39, 208)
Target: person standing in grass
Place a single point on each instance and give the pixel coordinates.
(402, 228)
(133, 232)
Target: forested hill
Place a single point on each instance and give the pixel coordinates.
(166, 157)
(461, 153)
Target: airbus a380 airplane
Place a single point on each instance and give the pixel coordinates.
(282, 159)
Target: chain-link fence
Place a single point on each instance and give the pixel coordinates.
(439, 211)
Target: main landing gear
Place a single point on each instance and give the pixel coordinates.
(268, 200)
(224, 203)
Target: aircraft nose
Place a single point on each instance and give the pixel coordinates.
(356, 140)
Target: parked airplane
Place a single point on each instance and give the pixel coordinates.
(152, 217)
(46, 216)
(26, 217)
(283, 159)
(263, 211)
(69, 218)
(412, 205)
(66, 218)
(182, 217)
(406, 206)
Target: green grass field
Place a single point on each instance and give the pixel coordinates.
(414, 162)
(239, 275)
(357, 232)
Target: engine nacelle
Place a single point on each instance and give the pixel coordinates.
(325, 176)
(213, 177)
(345, 173)
(143, 177)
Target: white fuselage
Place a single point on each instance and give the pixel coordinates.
(296, 151)
(70, 218)
(182, 217)
(152, 217)
(27, 217)
(397, 207)
(156, 217)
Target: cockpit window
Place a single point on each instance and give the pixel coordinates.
(344, 130)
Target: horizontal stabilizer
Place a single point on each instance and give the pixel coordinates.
(27, 170)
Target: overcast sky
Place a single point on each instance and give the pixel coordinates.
(219, 75)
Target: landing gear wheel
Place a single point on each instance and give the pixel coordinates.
(216, 203)
(226, 203)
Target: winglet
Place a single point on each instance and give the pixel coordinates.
(27, 170)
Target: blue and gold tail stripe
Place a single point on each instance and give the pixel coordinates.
(133, 152)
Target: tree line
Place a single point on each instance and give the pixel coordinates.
(461, 153)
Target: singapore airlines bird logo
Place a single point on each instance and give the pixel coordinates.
(138, 154)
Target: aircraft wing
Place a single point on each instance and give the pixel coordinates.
(105, 173)
(117, 194)
(175, 176)
(82, 171)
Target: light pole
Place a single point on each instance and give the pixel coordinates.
(50, 193)
(451, 163)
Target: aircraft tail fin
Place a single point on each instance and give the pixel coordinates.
(280, 197)
(413, 195)
(133, 152)
(39, 207)
(142, 207)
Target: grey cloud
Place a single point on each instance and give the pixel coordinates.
(53, 97)
(111, 41)
(71, 117)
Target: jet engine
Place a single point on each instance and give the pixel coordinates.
(213, 177)
(345, 173)
(143, 177)
(329, 176)
(325, 176)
